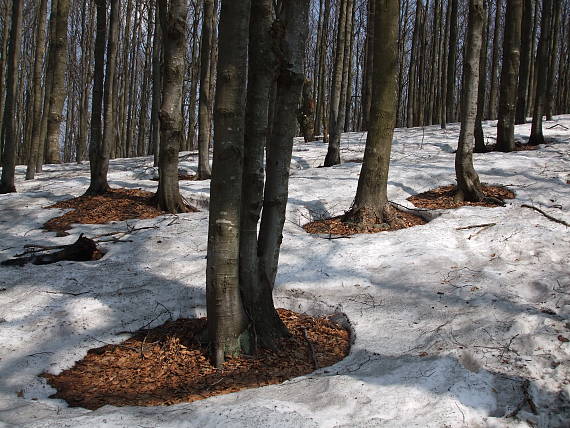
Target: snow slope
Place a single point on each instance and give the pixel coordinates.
(448, 324)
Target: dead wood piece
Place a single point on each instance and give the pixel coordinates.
(312, 347)
(476, 226)
(548, 216)
(84, 249)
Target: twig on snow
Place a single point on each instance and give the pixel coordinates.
(557, 125)
(313, 354)
(475, 226)
(548, 216)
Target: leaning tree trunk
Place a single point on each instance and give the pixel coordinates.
(227, 321)
(7, 182)
(37, 85)
(371, 200)
(542, 60)
(509, 77)
(468, 185)
(99, 147)
(173, 22)
(526, 58)
(333, 152)
(204, 121)
(58, 92)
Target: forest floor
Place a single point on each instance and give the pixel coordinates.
(462, 321)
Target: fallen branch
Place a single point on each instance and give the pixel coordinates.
(548, 216)
(475, 226)
(557, 125)
(313, 354)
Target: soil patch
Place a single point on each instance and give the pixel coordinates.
(116, 205)
(338, 225)
(442, 198)
(168, 364)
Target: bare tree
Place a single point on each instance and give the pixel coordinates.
(468, 185)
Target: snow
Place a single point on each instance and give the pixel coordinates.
(447, 323)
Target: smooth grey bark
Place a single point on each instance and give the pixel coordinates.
(172, 15)
(58, 91)
(156, 90)
(371, 200)
(542, 64)
(468, 185)
(509, 77)
(321, 122)
(480, 146)
(204, 125)
(412, 72)
(368, 67)
(333, 152)
(9, 147)
(37, 88)
(525, 62)
(227, 320)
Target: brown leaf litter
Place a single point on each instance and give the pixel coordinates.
(442, 198)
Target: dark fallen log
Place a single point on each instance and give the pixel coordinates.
(84, 249)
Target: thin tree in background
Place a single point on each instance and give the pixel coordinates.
(172, 15)
(58, 45)
(468, 185)
(9, 146)
(333, 152)
(480, 146)
(452, 63)
(371, 200)
(493, 98)
(525, 61)
(549, 105)
(509, 77)
(204, 125)
(41, 16)
(99, 147)
(542, 61)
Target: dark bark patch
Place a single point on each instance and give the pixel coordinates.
(116, 205)
(443, 198)
(168, 364)
(342, 226)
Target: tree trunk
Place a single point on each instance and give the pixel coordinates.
(173, 23)
(553, 57)
(227, 321)
(368, 67)
(371, 200)
(333, 153)
(37, 85)
(492, 112)
(58, 90)
(509, 77)
(451, 64)
(156, 90)
(204, 121)
(321, 122)
(7, 182)
(412, 73)
(480, 146)
(526, 58)
(99, 148)
(542, 63)
(468, 185)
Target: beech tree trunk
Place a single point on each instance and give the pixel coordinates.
(37, 87)
(227, 320)
(371, 200)
(542, 63)
(451, 63)
(333, 152)
(99, 147)
(468, 185)
(204, 125)
(368, 67)
(549, 104)
(493, 98)
(480, 146)
(58, 90)
(7, 182)
(172, 14)
(525, 61)
(509, 77)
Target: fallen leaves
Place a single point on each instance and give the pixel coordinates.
(442, 198)
(168, 364)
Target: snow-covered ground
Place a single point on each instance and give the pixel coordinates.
(448, 324)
